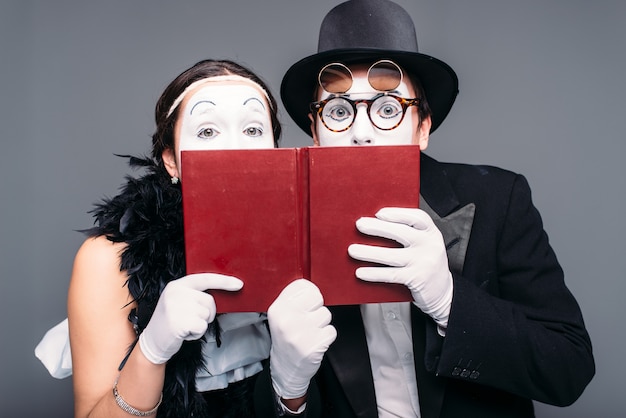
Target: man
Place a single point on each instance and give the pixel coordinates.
(492, 325)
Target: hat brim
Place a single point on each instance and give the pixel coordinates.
(439, 81)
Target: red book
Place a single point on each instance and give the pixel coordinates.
(272, 216)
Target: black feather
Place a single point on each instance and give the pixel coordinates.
(147, 216)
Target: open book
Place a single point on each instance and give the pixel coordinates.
(272, 216)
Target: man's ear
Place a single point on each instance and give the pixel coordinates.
(169, 160)
(316, 140)
(423, 133)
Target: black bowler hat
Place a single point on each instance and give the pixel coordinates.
(364, 31)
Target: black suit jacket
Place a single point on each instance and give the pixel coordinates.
(515, 332)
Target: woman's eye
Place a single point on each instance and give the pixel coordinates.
(253, 131)
(207, 133)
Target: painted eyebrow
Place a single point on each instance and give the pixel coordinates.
(202, 101)
(253, 98)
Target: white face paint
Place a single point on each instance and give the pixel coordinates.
(224, 115)
(362, 132)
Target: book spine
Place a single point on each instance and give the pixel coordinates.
(304, 233)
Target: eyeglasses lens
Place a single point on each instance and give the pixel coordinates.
(335, 78)
(338, 114)
(384, 76)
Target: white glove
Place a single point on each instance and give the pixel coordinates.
(422, 265)
(301, 333)
(183, 313)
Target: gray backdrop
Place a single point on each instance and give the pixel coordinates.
(542, 93)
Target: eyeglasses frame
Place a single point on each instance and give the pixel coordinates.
(318, 107)
(345, 67)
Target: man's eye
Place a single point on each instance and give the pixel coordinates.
(389, 110)
(338, 112)
(253, 131)
(207, 133)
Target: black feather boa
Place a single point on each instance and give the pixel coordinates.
(147, 216)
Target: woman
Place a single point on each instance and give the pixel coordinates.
(144, 337)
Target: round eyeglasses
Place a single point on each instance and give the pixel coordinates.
(385, 111)
(383, 75)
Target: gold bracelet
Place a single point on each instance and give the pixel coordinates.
(131, 410)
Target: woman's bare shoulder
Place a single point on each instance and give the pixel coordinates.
(97, 270)
(100, 250)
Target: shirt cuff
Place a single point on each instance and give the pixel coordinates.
(284, 411)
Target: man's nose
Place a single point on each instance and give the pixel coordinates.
(362, 129)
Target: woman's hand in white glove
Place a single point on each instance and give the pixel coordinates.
(301, 334)
(422, 265)
(183, 313)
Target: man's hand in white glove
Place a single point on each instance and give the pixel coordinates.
(183, 313)
(422, 265)
(301, 334)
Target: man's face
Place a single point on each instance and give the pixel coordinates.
(362, 131)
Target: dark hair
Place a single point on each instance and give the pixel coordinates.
(423, 108)
(163, 138)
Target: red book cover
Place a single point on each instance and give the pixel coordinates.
(271, 216)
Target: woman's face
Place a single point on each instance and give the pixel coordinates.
(221, 115)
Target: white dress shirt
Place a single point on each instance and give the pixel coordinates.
(390, 345)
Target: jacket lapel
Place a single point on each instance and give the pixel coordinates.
(456, 229)
(438, 199)
(350, 360)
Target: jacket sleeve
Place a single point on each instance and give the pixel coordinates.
(517, 328)
(266, 402)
